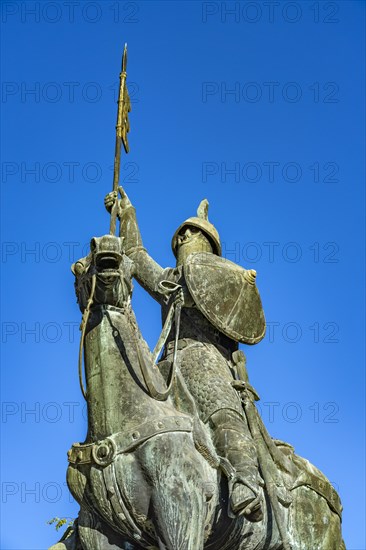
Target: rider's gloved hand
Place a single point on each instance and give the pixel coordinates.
(112, 197)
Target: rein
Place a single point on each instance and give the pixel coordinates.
(84, 322)
(167, 288)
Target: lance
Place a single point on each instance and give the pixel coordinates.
(122, 128)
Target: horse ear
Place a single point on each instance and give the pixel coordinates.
(77, 268)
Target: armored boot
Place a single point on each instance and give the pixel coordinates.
(234, 444)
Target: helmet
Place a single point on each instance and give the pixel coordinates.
(202, 223)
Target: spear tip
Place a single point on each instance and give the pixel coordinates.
(124, 58)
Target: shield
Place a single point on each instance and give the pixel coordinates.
(226, 296)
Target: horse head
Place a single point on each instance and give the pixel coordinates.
(111, 270)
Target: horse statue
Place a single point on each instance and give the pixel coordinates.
(148, 475)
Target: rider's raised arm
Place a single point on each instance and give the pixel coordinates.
(147, 272)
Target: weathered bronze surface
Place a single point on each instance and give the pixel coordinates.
(176, 455)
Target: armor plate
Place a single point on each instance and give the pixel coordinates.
(222, 292)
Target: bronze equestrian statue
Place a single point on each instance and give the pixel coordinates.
(151, 473)
(176, 456)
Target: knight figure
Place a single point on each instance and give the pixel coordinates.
(221, 307)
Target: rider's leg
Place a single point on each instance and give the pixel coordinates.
(234, 443)
(209, 380)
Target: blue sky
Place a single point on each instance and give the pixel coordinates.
(257, 107)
